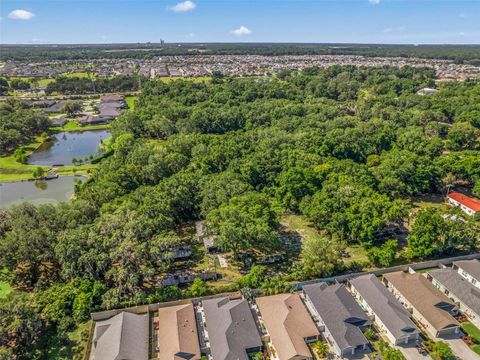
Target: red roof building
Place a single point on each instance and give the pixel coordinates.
(468, 205)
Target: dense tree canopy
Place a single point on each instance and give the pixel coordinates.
(345, 147)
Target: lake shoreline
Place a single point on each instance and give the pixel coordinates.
(12, 171)
(53, 191)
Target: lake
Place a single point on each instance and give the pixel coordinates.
(38, 192)
(68, 145)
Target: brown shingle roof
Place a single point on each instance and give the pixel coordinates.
(177, 333)
(430, 302)
(288, 324)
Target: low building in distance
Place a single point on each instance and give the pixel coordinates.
(467, 204)
(460, 290)
(230, 329)
(470, 270)
(392, 318)
(177, 333)
(430, 307)
(426, 91)
(341, 319)
(124, 336)
(289, 326)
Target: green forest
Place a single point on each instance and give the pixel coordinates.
(348, 149)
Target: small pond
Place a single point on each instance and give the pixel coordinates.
(38, 192)
(68, 145)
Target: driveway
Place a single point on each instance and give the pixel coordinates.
(460, 349)
(411, 353)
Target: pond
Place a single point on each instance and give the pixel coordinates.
(68, 145)
(38, 192)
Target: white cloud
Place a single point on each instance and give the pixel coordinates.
(462, 15)
(21, 15)
(461, 33)
(183, 6)
(242, 30)
(189, 35)
(374, 2)
(394, 29)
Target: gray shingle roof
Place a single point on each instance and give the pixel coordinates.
(385, 306)
(231, 328)
(122, 337)
(460, 287)
(471, 267)
(340, 313)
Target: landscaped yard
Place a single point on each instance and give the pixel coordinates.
(472, 331)
(72, 125)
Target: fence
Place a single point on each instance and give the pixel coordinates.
(416, 266)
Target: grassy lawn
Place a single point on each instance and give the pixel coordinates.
(11, 170)
(429, 201)
(41, 82)
(72, 345)
(79, 75)
(472, 331)
(75, 169)
(5, 289)
(130, 100)
(72, 125)
(307, 231)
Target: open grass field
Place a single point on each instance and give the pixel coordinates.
(307, 231)
(79, 75)
(42, 82)
(5, 289)
(70, 346)
(72, 125)
(429, 201)
(11, 169)
(130, 100)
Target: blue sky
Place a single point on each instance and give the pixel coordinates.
(352, 21)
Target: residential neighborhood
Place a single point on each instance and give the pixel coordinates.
(406, 309)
